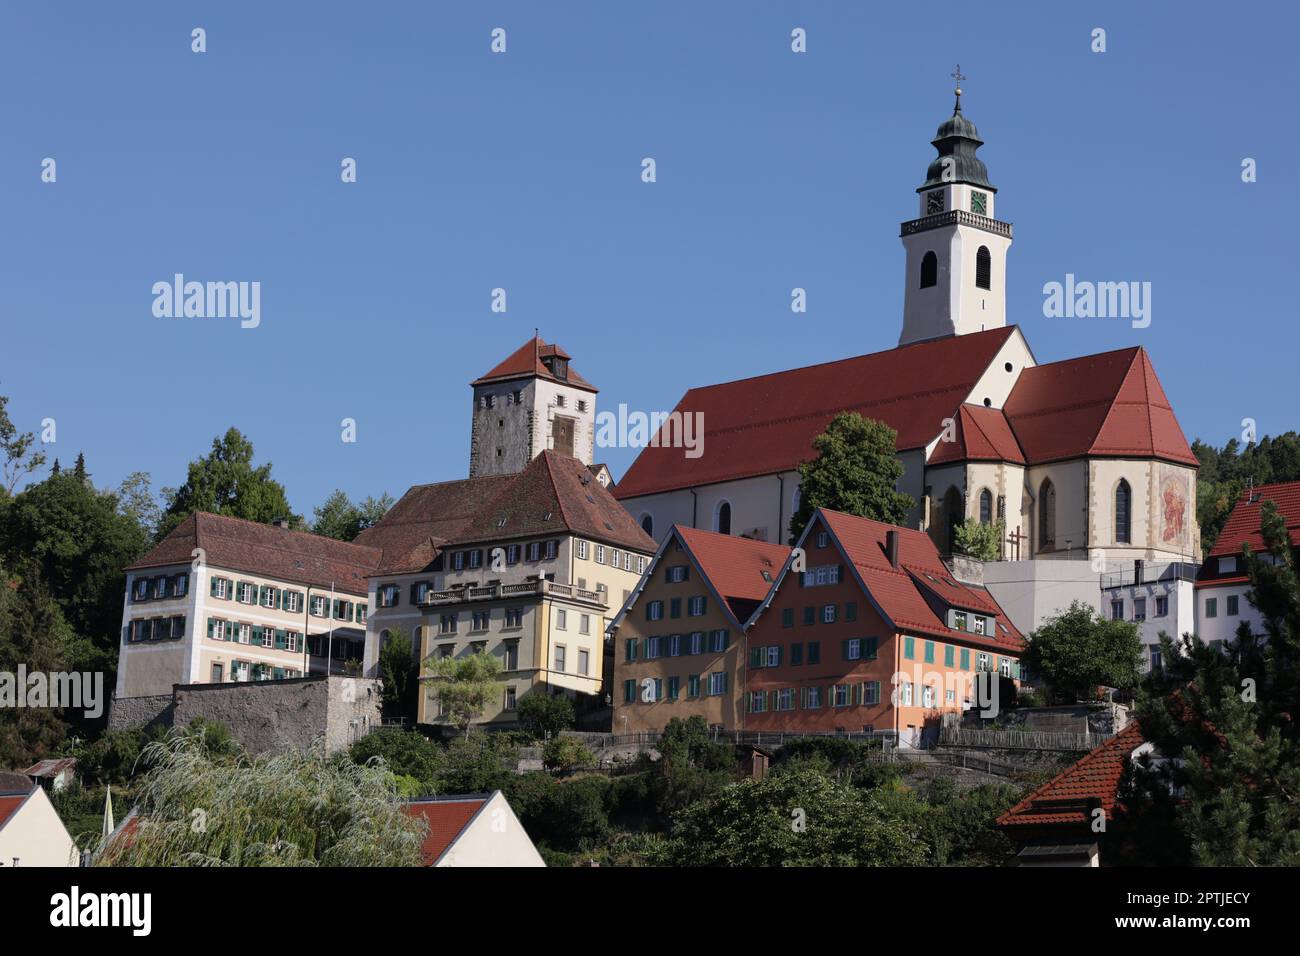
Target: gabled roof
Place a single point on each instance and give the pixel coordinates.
(1109, 404)
(982, 434)
(447, 818)
(555, 493)
(734, 567)
(262, 549)
(765, 425)
(1243, 524)
(526, 362)
(425, 518)
(10, 802)
(1070, 797)
(899, 593)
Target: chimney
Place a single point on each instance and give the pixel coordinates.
(282, 523)
(891, 547)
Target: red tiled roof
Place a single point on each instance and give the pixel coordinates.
(900, 592)
(9, 803)
(1242, 526)
(526, 361)
(764, 425)
(555, 493)
(1071, 796)
(447, 819)
(238, 545)
(425, 518)
(735, 566)
(983, 434)
(1108, 404)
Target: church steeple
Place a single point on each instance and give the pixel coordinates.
(956, 250)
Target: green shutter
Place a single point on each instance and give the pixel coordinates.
(755, 658)
(211, 626)
(212, 587)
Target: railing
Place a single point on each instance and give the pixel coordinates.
(1018, 739)
(961, 218)
(756, 738)
(490, 591)
(1152, 574)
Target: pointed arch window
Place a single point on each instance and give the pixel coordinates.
(929, 270)
(1046, 515)
(1123, 513)
(722, 518)
(983, 268)
(648, 525)
(986, 507)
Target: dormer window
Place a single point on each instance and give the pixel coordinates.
(559, 367)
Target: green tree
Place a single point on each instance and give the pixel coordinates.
(479, 763)
(400, 675)
(82, 543)
(1077, 650)
(979, 540)
(545, 715)
(290, 808)
(137, 501)
(339, 518)
(226, 482)
(19, 460)
(800, 818)
(566, 754)
(568, 816)
(403, 752)
(1223, 725)
(1225, 472)
(855, 471)
(466, 686)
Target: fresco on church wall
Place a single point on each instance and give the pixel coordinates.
(1175, 521)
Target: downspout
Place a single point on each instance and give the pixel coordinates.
(780, 509)
(695, 508)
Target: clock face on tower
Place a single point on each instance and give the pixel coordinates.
(934, 203)
(979, 203)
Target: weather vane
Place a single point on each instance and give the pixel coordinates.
(958, 76)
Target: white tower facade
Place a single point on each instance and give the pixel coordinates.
(956, 249)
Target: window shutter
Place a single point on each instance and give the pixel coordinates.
(279, 638)
(211, 626)
(755, 657)
(779, 653)
(212, 587)
(844, 650)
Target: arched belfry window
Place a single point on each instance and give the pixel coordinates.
(722, 519)
(929, 270)
(983, 268)
(1047, 515)
(1123, 513)
(986, 507)
(648, 525)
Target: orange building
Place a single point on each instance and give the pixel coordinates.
(679, 639)
(873, 634)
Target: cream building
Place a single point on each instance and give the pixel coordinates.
(31, 833)
(221, 599)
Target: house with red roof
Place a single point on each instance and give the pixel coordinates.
(527, 567)
(223, 600)
(1222, 604)
(31, 832)
(473, 830)
(678, 641)
(866, 629)
(1082, 460)
(1064, 822)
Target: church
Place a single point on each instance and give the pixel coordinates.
(1083, 460)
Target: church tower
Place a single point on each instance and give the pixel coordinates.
(956, 249)
(534, 400)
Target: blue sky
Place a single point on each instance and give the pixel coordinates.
(522, 171)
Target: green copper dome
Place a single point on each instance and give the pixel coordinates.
(958, 138)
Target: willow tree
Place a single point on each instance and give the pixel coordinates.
(201, 805)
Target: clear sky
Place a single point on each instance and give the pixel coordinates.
(522, 170)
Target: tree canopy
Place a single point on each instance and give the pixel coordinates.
(1077, 650)
(226, 482)
(855, 471)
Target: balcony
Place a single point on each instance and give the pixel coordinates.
(1150, 574)
(958, 217)
(496, 591)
